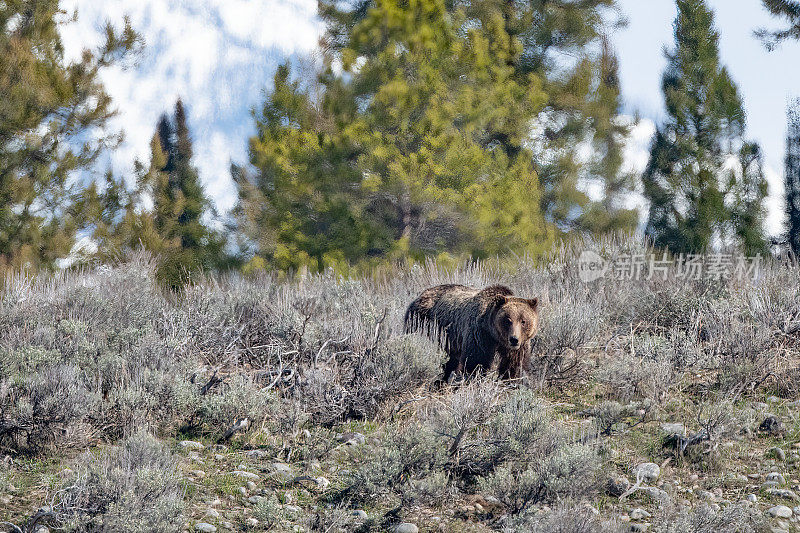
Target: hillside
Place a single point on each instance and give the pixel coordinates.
(257, 404)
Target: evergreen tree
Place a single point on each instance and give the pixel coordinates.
(696, 200)
(792, 178)
(49, 112)
(176, 232)
(559, 42)
(402, 155)
(785, 9)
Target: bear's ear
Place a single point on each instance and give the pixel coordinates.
(499, 300)
(533, 303)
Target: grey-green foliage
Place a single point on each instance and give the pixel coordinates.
(506, 444)
(703, 519)
(135, 486)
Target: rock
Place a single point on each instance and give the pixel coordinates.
(291, 509)
(617, 485)
(780, 511)
(255, 499)
(256, 454)
(205, 527)
(283, 471)
(647, 472)
(776, 476)
(408, 527)
(752, 498)
(190, 445)
(322, 482)
(240, 425)
(213, 513)
(242, 491)
(706, 495)
(246, 475)
(775, 453)
(784, 493)
(639, 514)
(673, 428)
(350, 438)
(657, 494)
(639, 528)
(251, 485)
(198, 474)
(769, 485)
(361, 514)
(218, 448)
(771, 425)
(228, 525)
(5, 499)
(252, 522)
(773, 399)
(218, 457)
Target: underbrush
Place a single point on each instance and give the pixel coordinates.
(90, 357)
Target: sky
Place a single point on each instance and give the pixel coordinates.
(219, 56)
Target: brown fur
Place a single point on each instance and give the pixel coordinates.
(475, 327)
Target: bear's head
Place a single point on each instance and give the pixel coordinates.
(515, 320)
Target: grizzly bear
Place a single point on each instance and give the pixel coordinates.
(475, 327)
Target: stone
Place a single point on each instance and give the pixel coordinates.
(190, 445)
(205, 527)
(246, 475)
(252, 522)
(784, 493)
(198, 474)
(771, 425)
(780, 511)
(256, 454)
(706, 495)
(251, 485)
(639, 528)
(617, 485)
(291, 509)
(213, 513)
(283, 471)
(228, 525)
(322, 482)
(773, 399)
(647, 472)
(776, 476)
(639, 514)
(673, 428)
(351, 439)
(776, 453)
(255, 499)
(407, 527)
(361, 514)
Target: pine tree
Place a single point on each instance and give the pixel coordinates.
(792, 178)
(557, 40)
(177, 232)
(48, 109)
(694, 201)
(785, 9)
(417, 149)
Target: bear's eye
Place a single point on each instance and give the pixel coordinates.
(524, 322)
(507, 321)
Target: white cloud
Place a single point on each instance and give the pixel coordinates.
(218, 55)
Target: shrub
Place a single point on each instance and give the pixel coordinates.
(703, 519)
(564, 519)
(132, 487)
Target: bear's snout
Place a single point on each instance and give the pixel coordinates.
(513, 341)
